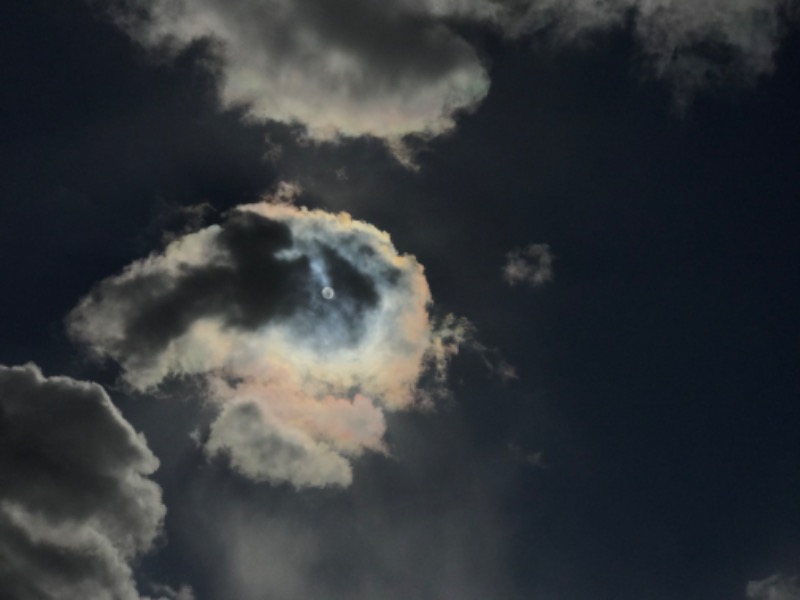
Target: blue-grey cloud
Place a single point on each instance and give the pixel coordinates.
(76, 503)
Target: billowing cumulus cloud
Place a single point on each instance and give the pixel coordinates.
(397, 67)
(531, 265)
(302, 380)
(353, 67)
(76, 504)
(775, 587)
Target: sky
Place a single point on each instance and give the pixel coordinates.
(429, 299)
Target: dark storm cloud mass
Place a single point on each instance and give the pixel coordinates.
(302, 380)
(76, 504)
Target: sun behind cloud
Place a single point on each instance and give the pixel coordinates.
(302, 380)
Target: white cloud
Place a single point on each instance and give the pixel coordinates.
(775, 587)
(532, 265)
(303, 382)
(352, 68)
(76, 504)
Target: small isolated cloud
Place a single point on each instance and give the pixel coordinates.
(533, 459)
(775, 587)
(76, 504)
(302, 374)
(531, 265)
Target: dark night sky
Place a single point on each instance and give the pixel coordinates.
(658, 370)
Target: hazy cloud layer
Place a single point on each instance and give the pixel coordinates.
(398, 67)
(303, 381)
(531, 265)
(692, 43)
(775, 587)
(76, 506)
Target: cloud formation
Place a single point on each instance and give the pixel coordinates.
(775, 587)
(694, 44)
(531, 265)
(76, 504)
(302, 380)
(398, 67)
(352, 68)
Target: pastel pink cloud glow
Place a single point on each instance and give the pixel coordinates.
(300, 394)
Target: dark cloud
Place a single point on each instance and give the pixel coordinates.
(162, 308)
(423, 523)
(76, 504)
(400, 67)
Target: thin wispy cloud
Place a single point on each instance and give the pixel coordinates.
(307, 327)
(775, 587)
(694, 45)
(352, 68)
(531, 265)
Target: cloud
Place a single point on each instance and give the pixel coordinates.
(693, 44)
(775, 587)
(532, 265)
(375, 552)
(534, 459)
(302, 381)
(76, 504)
(165, 592)
(398, 67)
(348, 68)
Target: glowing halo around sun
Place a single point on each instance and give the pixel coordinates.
(303, 373)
